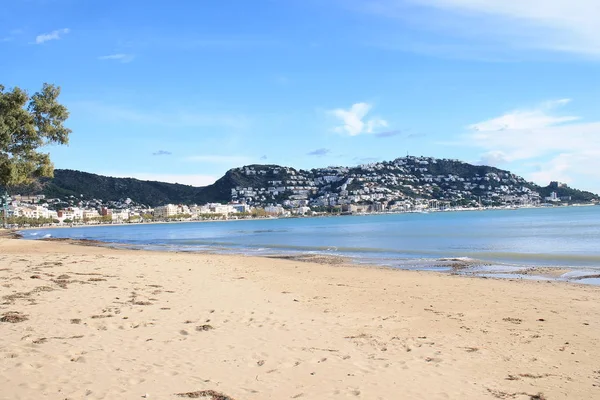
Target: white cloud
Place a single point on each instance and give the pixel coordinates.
(54, 35)
(559, 147)
(493, 157)
(219, 159)
(526, 119)
(193, 180)
(556, 25)
(121, 57)
(353, 120)
(569, 167)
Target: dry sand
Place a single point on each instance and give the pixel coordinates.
(96, 323)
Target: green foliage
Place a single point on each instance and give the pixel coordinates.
(26, 125)
(179, 217)
(103, 219)
(24, 221)
(74, 183)
(211, 216)
(577, 196)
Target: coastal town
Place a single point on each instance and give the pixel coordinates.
(408, 184)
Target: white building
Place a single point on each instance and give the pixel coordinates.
(241, 208)
(166, 211)
(89, 214)
(120, 215)
(275, 210)
(553, 197)
(224, 209)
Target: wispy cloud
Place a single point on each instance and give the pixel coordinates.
(219, 159)
(547, 25)
(388, 134)
(561, 147)
(366, 160)
(162, 153)
(263, 158)
(169, 118)
(208, 42)
(121, 57)
(539, 117)
(12, 35)
(354, 120)
(319, 152)
(54, 35)
(183, 179)
(403, 133)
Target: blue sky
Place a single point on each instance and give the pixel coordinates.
(183, 90)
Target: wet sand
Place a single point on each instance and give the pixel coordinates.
(98, 323)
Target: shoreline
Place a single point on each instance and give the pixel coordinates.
(103, 323)
(462, 266)
(311, 216)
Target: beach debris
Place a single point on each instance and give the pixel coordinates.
(205, 394)
(512, 320)
(45, 339)
(76, 321)
(10, 299)
(539, 396)
(62, 283)
(204, 328)
(505, 395)
(35, 277)
(13, 317)
(577, 278)
(101, 316)
(533, 376)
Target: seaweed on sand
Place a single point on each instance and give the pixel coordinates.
(207, 394)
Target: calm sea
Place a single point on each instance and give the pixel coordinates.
(567, 236)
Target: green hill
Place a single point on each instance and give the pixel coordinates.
(406, 178)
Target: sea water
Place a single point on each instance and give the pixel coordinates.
(554, 237)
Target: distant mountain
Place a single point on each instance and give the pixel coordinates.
(91, 186)
(401, 180)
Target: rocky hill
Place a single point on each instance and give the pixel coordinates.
(403, 180)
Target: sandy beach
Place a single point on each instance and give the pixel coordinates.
(83, 322)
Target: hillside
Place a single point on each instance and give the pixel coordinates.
(403, 180)
(91, 186)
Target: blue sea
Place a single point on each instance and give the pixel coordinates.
(499, 240)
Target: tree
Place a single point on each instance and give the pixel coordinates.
(28, 123)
